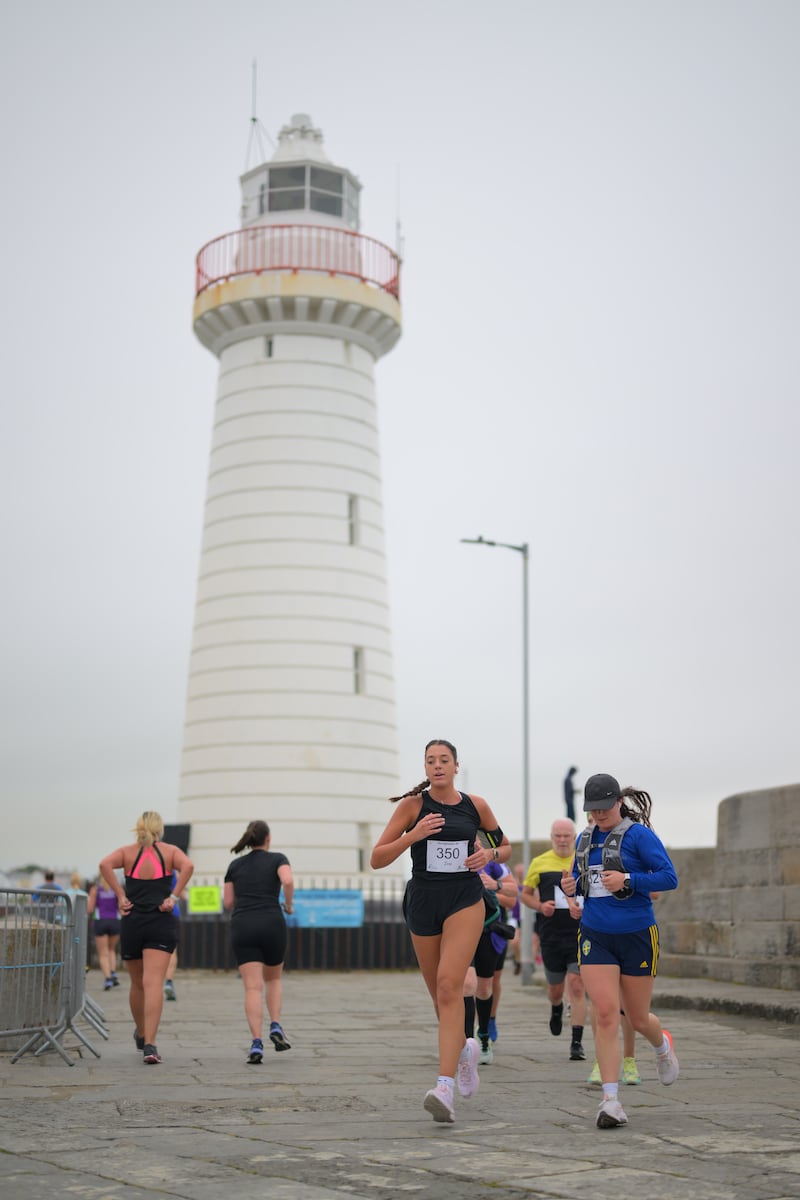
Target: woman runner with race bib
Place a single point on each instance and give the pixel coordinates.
(619, 863)
(444, 903)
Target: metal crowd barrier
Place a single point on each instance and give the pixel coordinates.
(43, 941)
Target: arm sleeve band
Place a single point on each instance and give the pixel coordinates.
(494, 836)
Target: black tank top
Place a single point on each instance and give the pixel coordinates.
(461, 823)
(146, 895)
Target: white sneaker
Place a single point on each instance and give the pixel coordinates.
(439, 1103)
(467, 1073)
(667, 1064)
(486, 1055)
(610, 1114)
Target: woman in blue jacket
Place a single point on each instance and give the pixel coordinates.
(619, 861)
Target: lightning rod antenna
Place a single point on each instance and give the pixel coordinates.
(255, 142)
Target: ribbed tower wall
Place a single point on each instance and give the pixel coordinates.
(290, 711)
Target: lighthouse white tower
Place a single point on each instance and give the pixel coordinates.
(290, 713)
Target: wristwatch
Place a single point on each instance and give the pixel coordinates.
(496, 854)
(626, 881)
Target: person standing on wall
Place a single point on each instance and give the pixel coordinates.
(444, 903)
(569, 794)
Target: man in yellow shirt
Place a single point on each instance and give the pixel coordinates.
(557, 917)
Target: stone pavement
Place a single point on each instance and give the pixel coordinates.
(340, 1115)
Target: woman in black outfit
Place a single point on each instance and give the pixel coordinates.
(258, 930)
(148, 932)
(444, 903)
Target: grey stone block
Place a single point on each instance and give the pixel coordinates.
(703, 938)
(765, 940)
(791, 902)
(757, 903)
(750, 868)
(788, 865)
(760, 819)
(704, 905)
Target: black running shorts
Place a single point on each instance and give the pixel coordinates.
(140, 931)
(428, 903)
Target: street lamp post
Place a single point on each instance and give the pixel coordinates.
(526, 917)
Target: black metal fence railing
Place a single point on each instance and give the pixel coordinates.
(205, 944)
(381, 942)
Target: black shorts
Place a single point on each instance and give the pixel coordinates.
(140, 931)
(487, 960)
(259, 936)
(428, 903)
(560, 956)
(106, 927)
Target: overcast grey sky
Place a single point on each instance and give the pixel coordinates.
(599, 205)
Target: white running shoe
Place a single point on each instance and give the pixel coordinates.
(486, 1055)
(439, 1103)
(610, 1114)
(667, 1064)
(467, 1073)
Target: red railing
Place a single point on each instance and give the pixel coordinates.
(316, 248)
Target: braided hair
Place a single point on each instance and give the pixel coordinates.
(636, 804)
(415, 791)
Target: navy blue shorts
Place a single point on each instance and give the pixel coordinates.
(634, 953)
(428, 903)
(106, 927)
(140, 931)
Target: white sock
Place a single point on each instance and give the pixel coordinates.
(664, 1048)
(610, 1091)
(446, 1082)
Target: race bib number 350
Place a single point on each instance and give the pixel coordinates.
(446, 856)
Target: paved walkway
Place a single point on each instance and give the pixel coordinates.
(340, 1115)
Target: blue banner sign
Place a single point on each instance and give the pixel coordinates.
(318, 908)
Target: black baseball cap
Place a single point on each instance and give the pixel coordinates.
(600, 791)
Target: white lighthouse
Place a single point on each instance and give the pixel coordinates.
(290, 713)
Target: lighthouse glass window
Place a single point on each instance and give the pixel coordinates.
(325, 191)
(287, 188)
(315, 189)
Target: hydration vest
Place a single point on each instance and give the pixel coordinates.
(612, 856)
